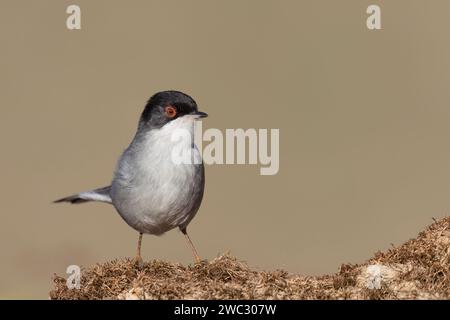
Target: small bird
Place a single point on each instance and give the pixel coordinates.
(150, 191)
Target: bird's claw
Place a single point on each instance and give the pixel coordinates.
(138, 262)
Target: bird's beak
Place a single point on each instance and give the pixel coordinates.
(199, 114)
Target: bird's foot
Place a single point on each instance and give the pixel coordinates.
(138, 262)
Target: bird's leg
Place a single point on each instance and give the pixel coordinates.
(196, 256)
(138, 260)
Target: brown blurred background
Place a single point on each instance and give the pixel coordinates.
(363, 117)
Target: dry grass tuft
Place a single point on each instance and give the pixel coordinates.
(418, 269)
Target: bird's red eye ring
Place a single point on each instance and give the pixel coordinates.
(170, 111)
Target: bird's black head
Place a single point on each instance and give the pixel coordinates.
(166, 106)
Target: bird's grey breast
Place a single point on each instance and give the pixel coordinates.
(153, 193)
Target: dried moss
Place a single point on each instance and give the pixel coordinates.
(418, 269)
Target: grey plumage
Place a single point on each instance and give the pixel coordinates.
(150, 191)
(100, 194)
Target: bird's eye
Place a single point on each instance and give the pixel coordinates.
(170, 111)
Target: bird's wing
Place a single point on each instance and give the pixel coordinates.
(100, 194)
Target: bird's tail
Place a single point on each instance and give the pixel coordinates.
(100, 194)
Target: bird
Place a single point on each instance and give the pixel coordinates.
(150, 191)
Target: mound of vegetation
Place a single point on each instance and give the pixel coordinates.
(418, 269)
